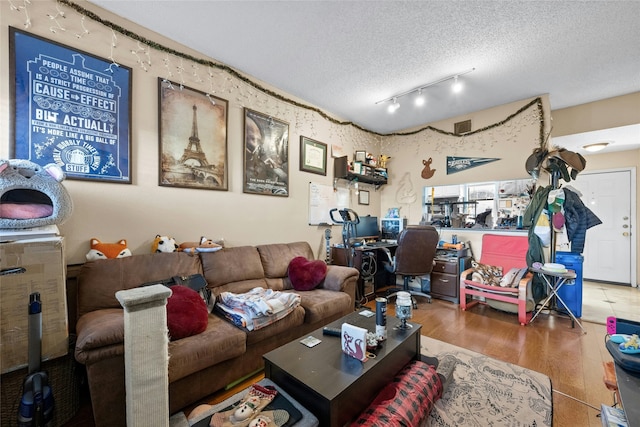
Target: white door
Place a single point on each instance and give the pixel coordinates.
(608, 246)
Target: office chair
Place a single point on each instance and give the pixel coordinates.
(414, 257)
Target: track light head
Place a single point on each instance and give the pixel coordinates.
(457, 85)
(420, 99)
(393, 107)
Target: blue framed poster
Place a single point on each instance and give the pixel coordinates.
(70, 108)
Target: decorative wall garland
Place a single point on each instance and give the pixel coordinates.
(524, 129)
(143, 59)
(248, 81)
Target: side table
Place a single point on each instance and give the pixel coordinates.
(555, 281)
(445, 276)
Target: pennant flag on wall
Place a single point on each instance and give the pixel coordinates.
(459, 164)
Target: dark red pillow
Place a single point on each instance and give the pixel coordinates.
(305, 275)
(187, 313)
(408, 398)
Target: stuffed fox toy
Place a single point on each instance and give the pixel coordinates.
(101, 250)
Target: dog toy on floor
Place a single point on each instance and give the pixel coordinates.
(248, 412)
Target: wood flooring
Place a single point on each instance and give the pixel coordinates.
(573, 360)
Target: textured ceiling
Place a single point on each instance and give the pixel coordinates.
(343, 56)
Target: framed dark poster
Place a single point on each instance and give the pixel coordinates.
(266, 154)
(70, 108)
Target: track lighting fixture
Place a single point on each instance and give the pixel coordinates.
(420, 98)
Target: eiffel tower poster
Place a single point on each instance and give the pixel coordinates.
(193, 138)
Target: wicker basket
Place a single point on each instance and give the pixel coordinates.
(64, 378)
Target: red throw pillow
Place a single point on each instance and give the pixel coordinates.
(410, 397)
(187, 313)
(305, 275)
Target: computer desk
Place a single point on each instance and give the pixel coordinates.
(381, 278)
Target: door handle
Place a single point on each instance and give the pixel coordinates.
(626, 234)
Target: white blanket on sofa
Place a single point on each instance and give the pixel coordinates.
(257, 308)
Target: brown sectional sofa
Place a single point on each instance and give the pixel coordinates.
(202, 364)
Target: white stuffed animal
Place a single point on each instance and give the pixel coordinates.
(164, 244)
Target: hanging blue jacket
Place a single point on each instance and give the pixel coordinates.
(578, 219)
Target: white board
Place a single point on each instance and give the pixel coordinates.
(323, 198)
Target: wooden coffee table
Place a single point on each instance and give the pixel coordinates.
(336, 387)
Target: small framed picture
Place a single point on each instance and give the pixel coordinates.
(363, 197)
(313, 156)
(361, 156)
(357, 167)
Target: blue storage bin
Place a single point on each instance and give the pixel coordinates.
(571, 291)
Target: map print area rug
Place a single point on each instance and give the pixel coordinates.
(488, 392)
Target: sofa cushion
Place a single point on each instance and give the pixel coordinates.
(276, 257)
(231, 265)
(306, 274)
(219, 342)
(100, 335)
(98, 281)
(320, 304)
(187, 314)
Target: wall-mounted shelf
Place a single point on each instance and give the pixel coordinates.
(367, 179)
(341, 171)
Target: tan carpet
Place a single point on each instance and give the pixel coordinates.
(488, 392)
(483, 392)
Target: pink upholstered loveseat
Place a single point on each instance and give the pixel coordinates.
(507, 251)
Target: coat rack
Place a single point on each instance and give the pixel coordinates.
(555, 184)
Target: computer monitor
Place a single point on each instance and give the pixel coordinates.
(391, 227)
(368, 228)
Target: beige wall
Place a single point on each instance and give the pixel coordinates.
(511, 144)
(139, 211)
(607, 113)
